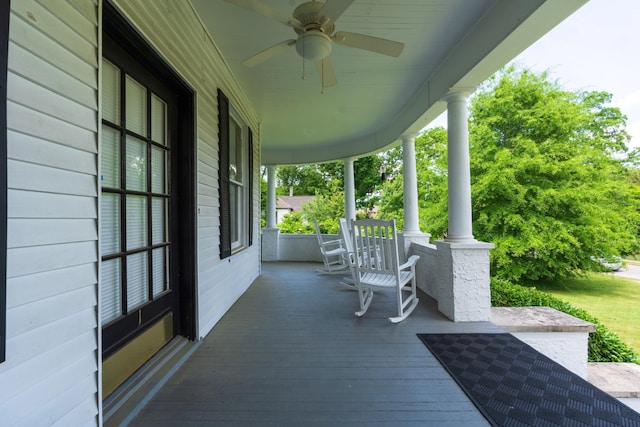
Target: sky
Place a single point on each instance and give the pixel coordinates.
(596, 48)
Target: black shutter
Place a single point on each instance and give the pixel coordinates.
(250, 187)
(223, 175)
(4, 49)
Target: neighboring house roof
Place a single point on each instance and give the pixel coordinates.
(293, 203)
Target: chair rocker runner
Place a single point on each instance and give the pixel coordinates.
(376, 264)
(334, 254)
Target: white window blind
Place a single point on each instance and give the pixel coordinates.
(110, 92)
(110, 290)
(159, 277)
(110, 223)
(158, 120)
(136, 97)
(136, 164)
(137, 280)
(110, 164)
(136, 222)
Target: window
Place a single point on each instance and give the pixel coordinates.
(4, 49)
(236, 179)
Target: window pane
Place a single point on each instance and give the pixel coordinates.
(158, 214)
(137, 280)
(110, 92)
(110, 173)
(159, 271)
(111, 302)
(136, 96)
(136, 164)
(110, 223)
(158, 120)
(158, 170)
(136, 222)
(234, 199)
(234, 142)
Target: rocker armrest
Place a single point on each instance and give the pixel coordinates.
(413, 259)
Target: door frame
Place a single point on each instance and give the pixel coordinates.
(182, 214)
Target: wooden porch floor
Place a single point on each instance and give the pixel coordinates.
(291, 352)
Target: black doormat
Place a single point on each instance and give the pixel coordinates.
(514, 385)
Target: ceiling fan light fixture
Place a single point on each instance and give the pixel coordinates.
(313, 45)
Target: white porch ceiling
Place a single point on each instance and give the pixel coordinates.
(448, 43)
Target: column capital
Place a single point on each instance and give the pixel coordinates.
(459, 94)
(409, 136)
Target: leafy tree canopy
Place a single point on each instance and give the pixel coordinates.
(549, 185)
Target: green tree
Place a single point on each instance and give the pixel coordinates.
(318, 179)
(549, 185)
(552, 182)
(327, 209)
(305, 180)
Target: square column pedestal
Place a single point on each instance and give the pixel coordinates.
(270, 244)
(463, 280)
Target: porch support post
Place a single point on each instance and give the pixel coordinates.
(271, 196)
(462, 282)
(349, 190)
(411, 232)
(271, 234)
(459, 175)
(410, 184)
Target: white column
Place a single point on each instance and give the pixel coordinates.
(349, 190)
(410, 185)
(271, 196)
(459, 173)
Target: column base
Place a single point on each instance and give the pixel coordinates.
(463, 288)
(270, 244)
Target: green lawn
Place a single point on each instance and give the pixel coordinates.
(615, 301)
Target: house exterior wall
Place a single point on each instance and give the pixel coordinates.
(53, 365)
(51, 370)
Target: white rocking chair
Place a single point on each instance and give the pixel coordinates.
(376, 265)
(334, 254)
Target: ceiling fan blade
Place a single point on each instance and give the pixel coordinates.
(326, 72)
(268, 53)
(332, 9)
(267, 11)
(373, 44)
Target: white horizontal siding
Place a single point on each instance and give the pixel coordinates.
(38, 232)
(35, 150)
(50, 373)
(176, 32)
(30, 204)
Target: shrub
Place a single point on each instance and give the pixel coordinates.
(604, 345)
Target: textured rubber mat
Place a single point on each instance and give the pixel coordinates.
(514, 385)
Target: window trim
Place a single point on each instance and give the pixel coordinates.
(4, 52)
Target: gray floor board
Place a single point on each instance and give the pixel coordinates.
(291, 352)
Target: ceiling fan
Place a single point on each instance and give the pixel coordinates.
(314, 22)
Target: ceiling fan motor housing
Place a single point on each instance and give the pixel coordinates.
(313, 45)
